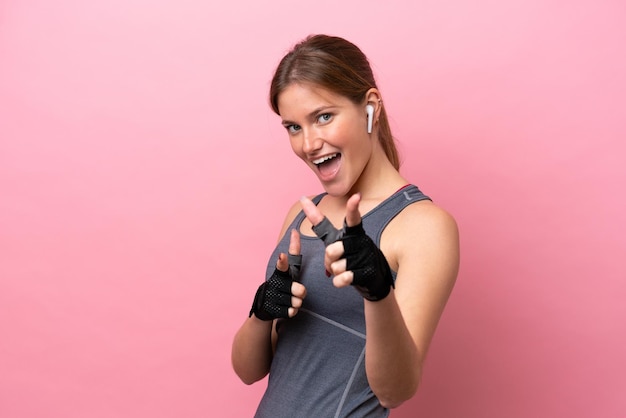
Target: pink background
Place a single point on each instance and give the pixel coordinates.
(135, 140)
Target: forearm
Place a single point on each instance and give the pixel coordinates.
(251, 354)
(392, 360)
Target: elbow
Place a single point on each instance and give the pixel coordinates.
(248, 376)
(248, 381)
(394, 400)
(391, 405)
(393, 397)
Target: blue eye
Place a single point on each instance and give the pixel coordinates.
(324, 117)
(292, 129)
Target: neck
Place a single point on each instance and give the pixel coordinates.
(379, 179)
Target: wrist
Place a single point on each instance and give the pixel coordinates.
(259, 322)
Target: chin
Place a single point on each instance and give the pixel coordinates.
(336, 190)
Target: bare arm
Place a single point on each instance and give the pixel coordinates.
(421, 244)
(424, 243)
(252, 348)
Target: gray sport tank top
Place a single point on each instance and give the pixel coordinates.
(318, 368)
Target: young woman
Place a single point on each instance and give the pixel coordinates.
(362, 272)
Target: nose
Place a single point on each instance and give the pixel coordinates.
(311, 141)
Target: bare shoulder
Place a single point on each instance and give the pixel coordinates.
(422, 246)
(421, 231)
(426, 218)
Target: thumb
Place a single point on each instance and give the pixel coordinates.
(353, 216)
(282, 264)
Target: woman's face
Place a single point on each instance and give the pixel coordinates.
(328, 132)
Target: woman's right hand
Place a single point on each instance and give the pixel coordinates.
(281, 295)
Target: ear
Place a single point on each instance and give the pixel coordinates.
(369, 109)
(373, 98)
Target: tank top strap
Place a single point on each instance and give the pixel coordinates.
(375, 221)
(317, 198)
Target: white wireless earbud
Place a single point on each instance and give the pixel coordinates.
(370, 117)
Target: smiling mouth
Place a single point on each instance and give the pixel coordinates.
(324, 159)
(328, 165)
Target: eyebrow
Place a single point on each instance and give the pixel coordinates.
(311, 114)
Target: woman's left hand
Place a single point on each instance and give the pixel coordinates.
(353, 258)
(333, 261)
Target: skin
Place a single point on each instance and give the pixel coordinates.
(421, 243)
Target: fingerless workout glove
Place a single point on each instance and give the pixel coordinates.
(372, 275)
(327, 232)
(273, 298)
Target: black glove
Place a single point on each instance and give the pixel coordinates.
(273, 298)
(372, 275)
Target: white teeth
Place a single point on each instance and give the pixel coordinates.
(326, 158)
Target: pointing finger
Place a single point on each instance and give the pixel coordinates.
(322, 227)
(294, 258)
(313, 214)
(294, 242)
(282, 264)
(353, 216)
